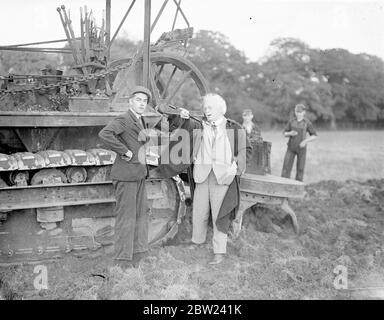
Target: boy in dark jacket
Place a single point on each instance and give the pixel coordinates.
(296, 130)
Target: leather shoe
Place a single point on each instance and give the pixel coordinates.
(140, 255)
(137, 257)
(218, 258)
(193, 245)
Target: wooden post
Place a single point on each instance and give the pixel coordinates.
(107, 26)
(147, 42)
(82, 34)
(86, 35)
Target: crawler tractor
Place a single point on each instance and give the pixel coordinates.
(55, 193)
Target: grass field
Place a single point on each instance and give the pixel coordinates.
(335, 155)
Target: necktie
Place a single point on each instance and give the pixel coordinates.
(141, 120)
(214, 133)
(214, 129)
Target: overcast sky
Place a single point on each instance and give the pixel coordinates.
(250, 24)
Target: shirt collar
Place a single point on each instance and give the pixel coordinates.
(138, 116)
(295, 118)
(218, 122)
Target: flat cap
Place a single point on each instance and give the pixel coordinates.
(300, 108)
(247, 112)
(140, 89)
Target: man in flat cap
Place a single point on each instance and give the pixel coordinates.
(124, 136)
(296, 130)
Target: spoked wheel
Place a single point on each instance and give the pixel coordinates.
(174, 80)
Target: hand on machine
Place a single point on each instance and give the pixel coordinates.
(184, 113)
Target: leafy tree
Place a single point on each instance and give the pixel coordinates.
(288, 78)
(123, 48)
(357, 82)
(21, 62)
(226, 68)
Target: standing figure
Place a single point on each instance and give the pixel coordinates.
(124, 136)
(219, 158)
(252, 129)
(296, 130)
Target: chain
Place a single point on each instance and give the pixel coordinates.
(79, 79)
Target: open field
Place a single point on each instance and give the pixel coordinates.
(335, 155)
(342, 223)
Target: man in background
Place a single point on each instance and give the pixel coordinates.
(252, 129)
(296, 130)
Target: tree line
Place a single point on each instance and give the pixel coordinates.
(338, 87)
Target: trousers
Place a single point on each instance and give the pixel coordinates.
(208, 197)
(290, 155)
(131, 211)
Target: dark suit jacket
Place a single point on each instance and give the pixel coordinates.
(123, 134)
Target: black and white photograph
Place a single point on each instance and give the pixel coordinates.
(191, 155)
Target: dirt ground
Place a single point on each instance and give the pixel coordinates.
(341, 223)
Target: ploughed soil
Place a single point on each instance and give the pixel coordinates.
(342, 227)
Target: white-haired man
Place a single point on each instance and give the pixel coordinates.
(219, 158)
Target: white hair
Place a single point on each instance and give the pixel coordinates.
(217, 100)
